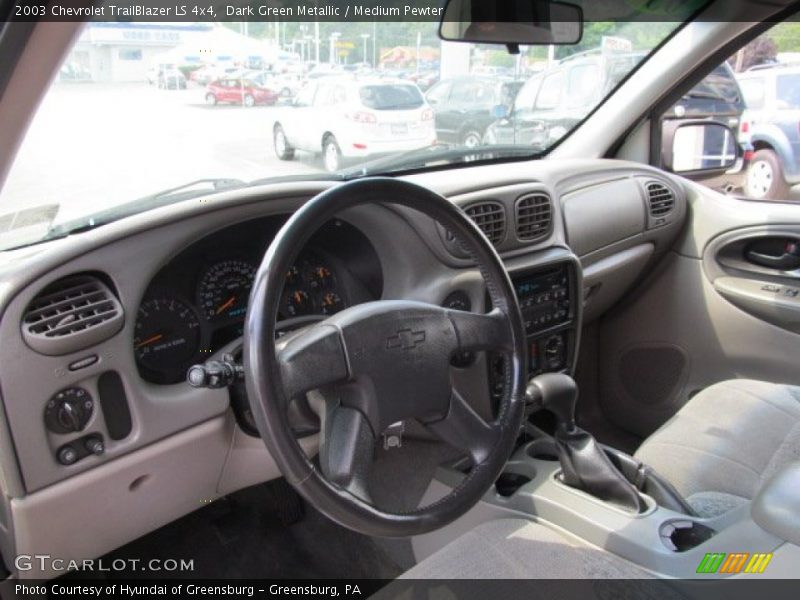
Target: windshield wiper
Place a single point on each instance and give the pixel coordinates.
(431, 156)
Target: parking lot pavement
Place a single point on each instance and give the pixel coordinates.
(95, 145)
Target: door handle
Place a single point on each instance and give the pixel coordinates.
(788, 261)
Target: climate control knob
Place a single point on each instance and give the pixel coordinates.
(69, 410)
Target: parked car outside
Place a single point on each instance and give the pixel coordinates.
(346, 118)
(554, 101)
(240, 90)
(170, 78)
(772, 125)
(287, 85)
(425, 79)
(465, 106)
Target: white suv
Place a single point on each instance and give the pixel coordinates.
(354, 118)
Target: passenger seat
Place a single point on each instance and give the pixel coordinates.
(726, 442)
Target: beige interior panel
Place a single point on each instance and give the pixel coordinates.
(250, 463)
(92, 513)
(678, 333)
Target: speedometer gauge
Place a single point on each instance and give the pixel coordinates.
(225, 288)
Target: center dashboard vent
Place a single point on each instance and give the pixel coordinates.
(71, 314)
(534, 215)
(490, 217)
(660, 199)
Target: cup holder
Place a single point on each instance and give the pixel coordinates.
(542, 449)
(680, 535)
(508, 483)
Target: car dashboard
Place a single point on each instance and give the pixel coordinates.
(169, 288)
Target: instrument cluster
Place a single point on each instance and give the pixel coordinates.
(198, 304)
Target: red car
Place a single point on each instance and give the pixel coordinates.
(239, 91)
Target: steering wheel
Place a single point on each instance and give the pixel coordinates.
(379, 363)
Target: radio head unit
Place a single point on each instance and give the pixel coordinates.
(544, 298)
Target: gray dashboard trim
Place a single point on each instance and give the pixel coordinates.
(132, 250)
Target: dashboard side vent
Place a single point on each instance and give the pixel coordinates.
(490, 217)
(660, 198)
(534, 216)
(70, 314)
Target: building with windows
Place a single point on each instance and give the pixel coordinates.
(123, 52)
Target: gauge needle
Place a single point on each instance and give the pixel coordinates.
(150, 340)
(227, 304)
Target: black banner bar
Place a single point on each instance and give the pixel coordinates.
(193, 11)
(406, 589)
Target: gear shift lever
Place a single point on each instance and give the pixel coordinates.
(584, 464)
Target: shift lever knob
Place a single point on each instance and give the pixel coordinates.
(584, 464)
(559, 395)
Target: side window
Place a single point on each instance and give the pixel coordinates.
(438, 93)
(527, 95)
(550, 94)
(485, 95)
(324, 95)
(754, 91)
(306, 95)
(787, 91)
(583, 84)
(756, 94)
(339, 94)
(464, 92)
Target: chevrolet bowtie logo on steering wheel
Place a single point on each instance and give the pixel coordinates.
(405, 339)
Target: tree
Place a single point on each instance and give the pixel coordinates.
(761, 50)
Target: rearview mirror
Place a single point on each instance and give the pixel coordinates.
(513, 22)
(699, 146)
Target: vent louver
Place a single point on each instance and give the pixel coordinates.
(490, 217)
(534, 215)
(71, 314)
(660, 198)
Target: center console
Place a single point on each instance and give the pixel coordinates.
(548, 296)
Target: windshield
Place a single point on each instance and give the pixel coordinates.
(139, 108)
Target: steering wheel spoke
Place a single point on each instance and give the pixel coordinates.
(310, 359)
(482, 331)
(465, 430)
(347, 449)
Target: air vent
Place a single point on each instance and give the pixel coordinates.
(71, 314)
(490, 217)
(660, 198)
(534, 217)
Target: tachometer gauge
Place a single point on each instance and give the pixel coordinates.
(298, 303)
(331, 303)
(166, 338)
(225, 288)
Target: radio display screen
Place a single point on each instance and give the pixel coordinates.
(544, 298)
